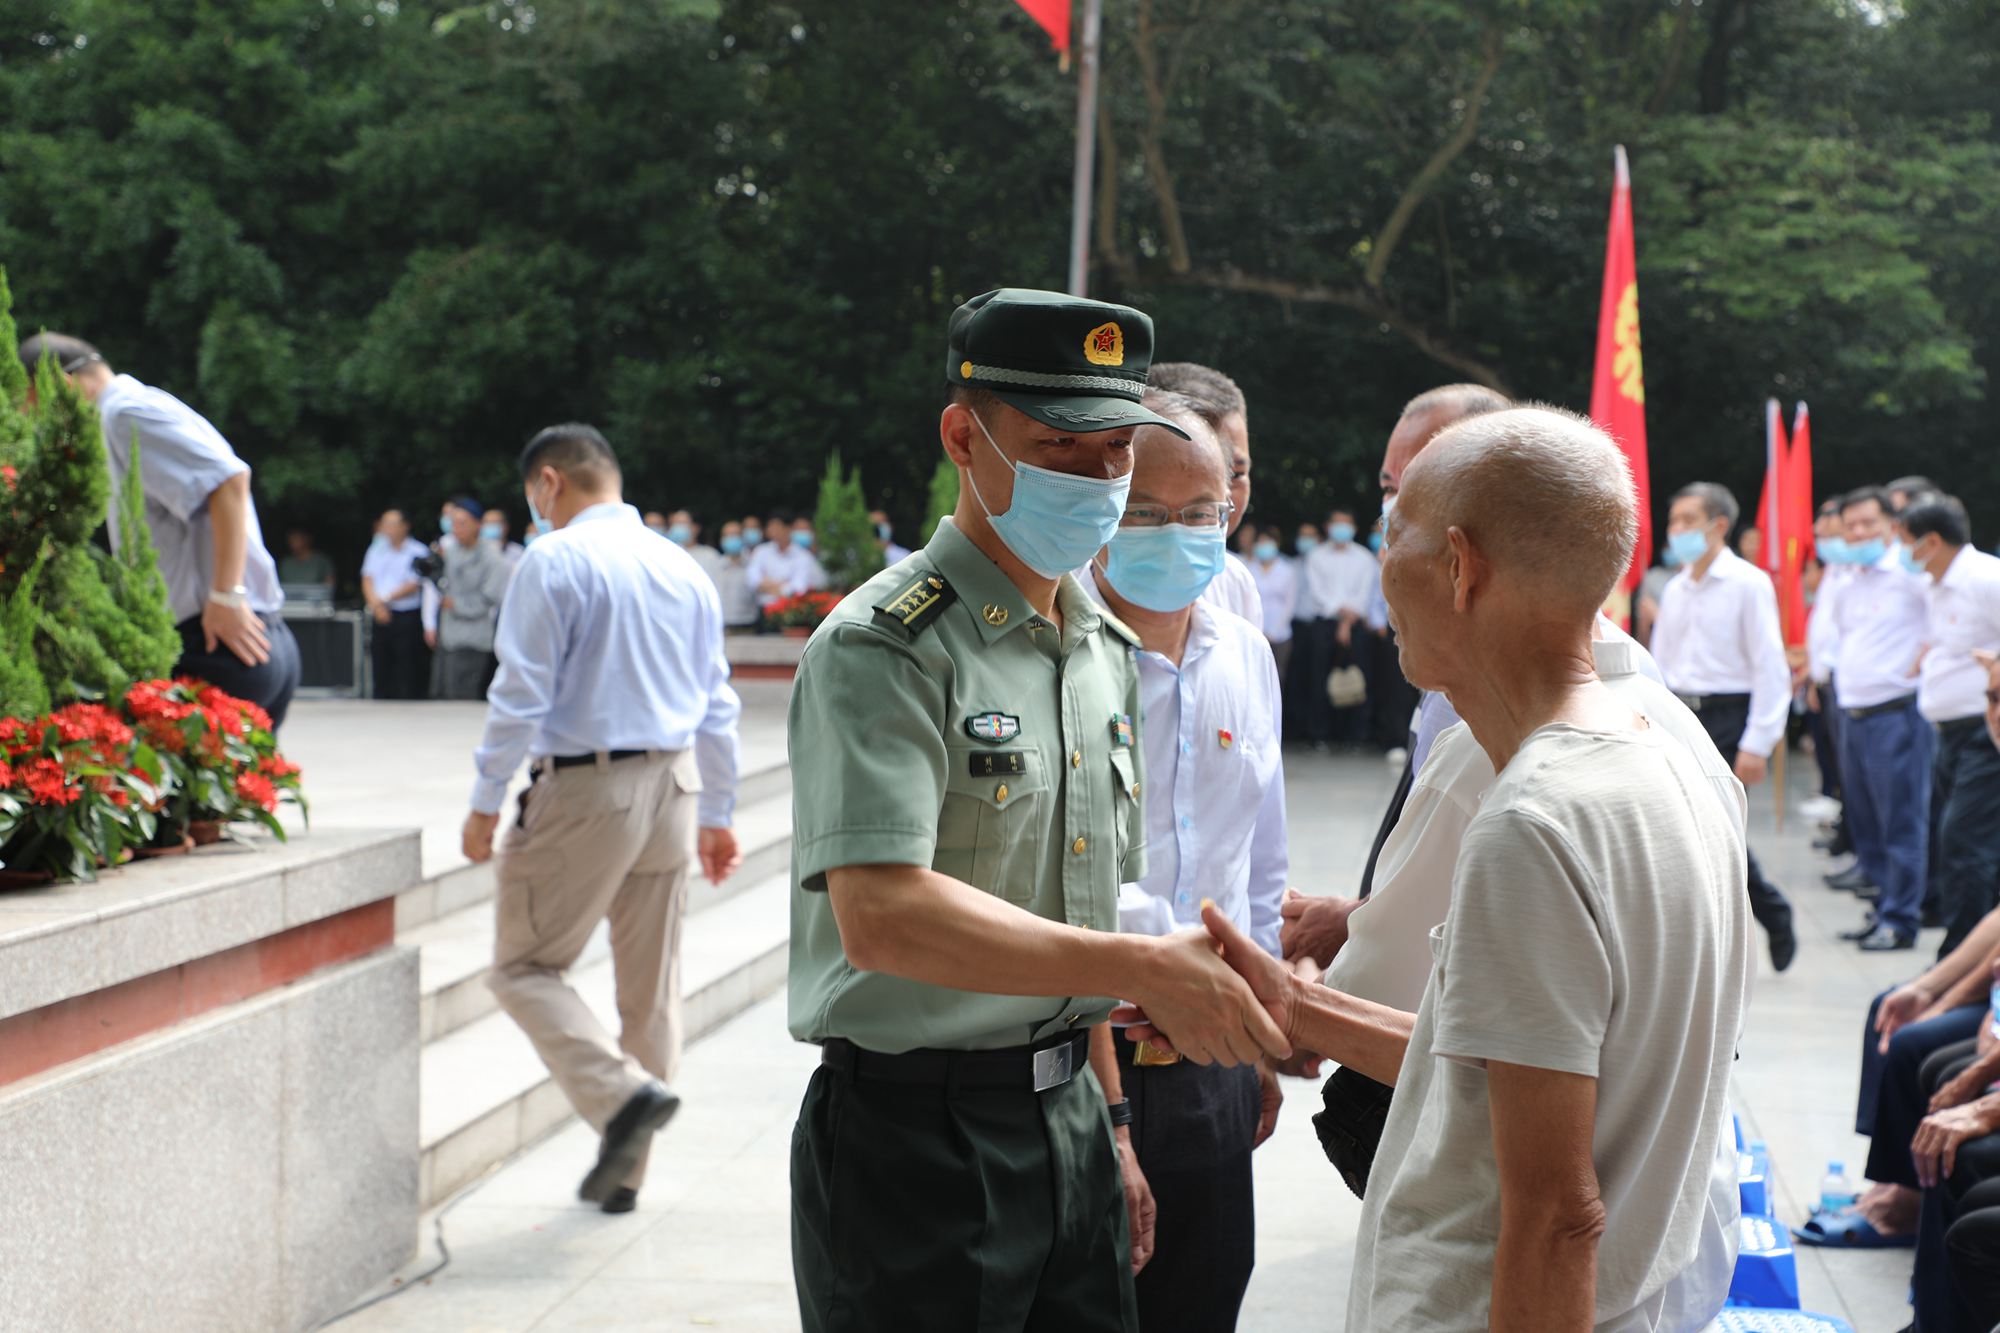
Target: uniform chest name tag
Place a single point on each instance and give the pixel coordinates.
(996, 764)
(1121, 730)
(993, 727)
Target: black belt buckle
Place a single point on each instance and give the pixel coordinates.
(1055, 1066)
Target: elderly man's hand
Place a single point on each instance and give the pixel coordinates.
(1899, 1008)
(1269, 989)
(1270, 1097)
(1935, 1148)
(1197, 1004)
(1314, 928)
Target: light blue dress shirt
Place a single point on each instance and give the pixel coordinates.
(610, 639)
(1215, 784)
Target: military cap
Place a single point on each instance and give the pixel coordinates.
(1067, 361)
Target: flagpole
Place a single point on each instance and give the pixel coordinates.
(1086, 150)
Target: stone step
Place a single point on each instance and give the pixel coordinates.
(763, 830)
(484, 1092)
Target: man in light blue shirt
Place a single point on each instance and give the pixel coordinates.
(612, 677)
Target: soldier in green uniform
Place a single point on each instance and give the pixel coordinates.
(966, 777)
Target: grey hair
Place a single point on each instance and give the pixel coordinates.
(1457, 402)
(1537, 490)
(1213, 393)
(1716, 501)
(1187, 412)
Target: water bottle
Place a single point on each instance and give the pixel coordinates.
(1836, 1192)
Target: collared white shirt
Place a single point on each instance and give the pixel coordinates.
(1215, 783)
(1883, 616)
(393, 568)
(1234, 588)
(1338, 579)
(610, 639)
(1964, 614)
(794, 567)
(1278, 590)
(182, 460)
(1719, 634)
(1822, 627)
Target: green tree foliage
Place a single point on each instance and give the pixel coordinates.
(943, 497)
(380, 243)
(844, 535)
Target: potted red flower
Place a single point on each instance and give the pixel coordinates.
(77, 792)
(801, 615)
(218, 754)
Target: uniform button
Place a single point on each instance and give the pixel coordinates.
(1135, 791)
(1079, 845)
(1001, 794)
(1076, 759)
(1071, 1020)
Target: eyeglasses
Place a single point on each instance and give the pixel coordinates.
(1205, 514)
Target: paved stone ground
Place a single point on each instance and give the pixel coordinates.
(709, 1246)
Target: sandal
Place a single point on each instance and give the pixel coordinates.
(1847, 1230)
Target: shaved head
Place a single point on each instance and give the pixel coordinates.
(1541, 495)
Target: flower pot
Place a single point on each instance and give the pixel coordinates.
(203, 832)
(797, 631)
(181, 848)
(25, 879)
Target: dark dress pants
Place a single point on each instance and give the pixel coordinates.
(1965, 796)
(1885, 770)
(1296, 680)
(1724, 725)
(402, 662)
(1972, 1251)
(269, 686)
(1319, 650)
(1896, 1089)
(1192, 1126)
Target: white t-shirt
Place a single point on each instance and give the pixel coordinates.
(1598, 926)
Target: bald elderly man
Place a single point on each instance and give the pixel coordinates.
(1561, 1089)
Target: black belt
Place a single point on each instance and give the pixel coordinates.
(1958, 726)
(1024, 1068)
(578, 760)
(1856, 714)
(1697, 702)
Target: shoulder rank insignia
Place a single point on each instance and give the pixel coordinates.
(920, 603)
(993, 727)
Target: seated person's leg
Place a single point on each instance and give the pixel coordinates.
(1972, 1251)
(1903, 1099)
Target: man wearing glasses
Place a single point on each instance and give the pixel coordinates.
(1215, 829)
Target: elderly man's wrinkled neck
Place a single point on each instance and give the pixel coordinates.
(1527, 675)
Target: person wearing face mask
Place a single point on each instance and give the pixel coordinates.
(1964, 619)
(1278, 592)
(885, 538)
(785, 566)
(732, 581)
(685, 533)
(613, 679)
(1882, 620)
(966, 754)
(493, 530)
(1341, 579)
(470, 586)
(1720, 648)
(1215, 829)
(1822, 643)
(1220, 401)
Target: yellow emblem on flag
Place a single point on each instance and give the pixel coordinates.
(1625, 368)
(1105, 345)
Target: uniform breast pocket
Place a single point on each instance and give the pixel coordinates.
(990, 830)
(1130, 823)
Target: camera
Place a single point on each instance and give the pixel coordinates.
(429, 565)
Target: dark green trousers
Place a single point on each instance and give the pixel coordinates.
(963, 1211)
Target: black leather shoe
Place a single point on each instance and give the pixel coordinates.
(1866, 929)
(625, 1138)
(1887, 939)
(1784, 948)
(1848, 880)
(623, 1200)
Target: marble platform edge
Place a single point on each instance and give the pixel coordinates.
(72, 939)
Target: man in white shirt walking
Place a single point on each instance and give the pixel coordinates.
(1340, 582)
(1882, 617)
(1720, 648)
(612, 677)
(1964, 618)
(1215, 831)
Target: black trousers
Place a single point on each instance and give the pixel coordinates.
(1965, 805)
(402, 662)
(1192, 1126)
(1724, 724)
(1324, 654)
(958, 1209)
(1908, 1084)
(1941, 1306)
(1972, 1251)
(269, 686)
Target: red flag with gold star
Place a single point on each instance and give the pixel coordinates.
(1618, 390)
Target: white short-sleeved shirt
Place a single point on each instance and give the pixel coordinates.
(395, 567)
(182, 459)
(1592, 851)
(1964, 617)
(1278, 591)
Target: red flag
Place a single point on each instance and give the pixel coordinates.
(1053, 15)
(1769, 518)
(1618, 389)
(1795, 527)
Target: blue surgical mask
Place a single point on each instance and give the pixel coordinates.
(1689, 546)
(1668, 559)
(1307, 545)
(802, 539)
(1832, 550)
(1164, 568)
(1375, 542)
(1265, 550)
(1338, 533)
(1910, 562)
(491, 532)
(538, 526)
(1056, 521)
(883, 531)
(1869, 552)
(732, 546)
(680, 534)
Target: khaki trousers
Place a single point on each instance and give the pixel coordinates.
(594, 842)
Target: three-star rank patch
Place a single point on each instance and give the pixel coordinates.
(920, 603)
(993, 728)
